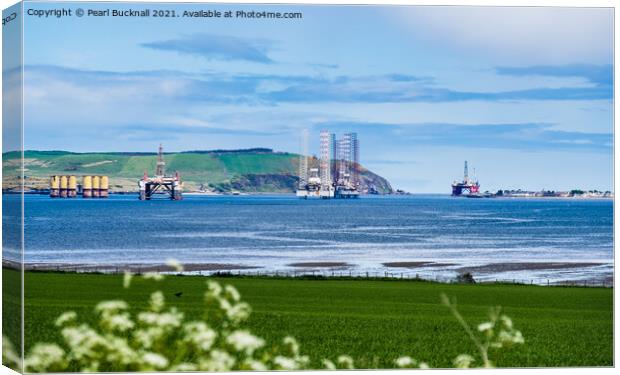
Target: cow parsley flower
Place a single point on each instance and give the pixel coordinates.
(405, 362)
(254, 365)
(199, 335)
(127, 276)
(119, 322)
(45, 358)
(345, 361)
(155, 276)
(218, 361)
(285, 363)
(292, 345)
(232, 293)
(486, 326)
(239, 312)
(9, 356)
(65, 318)
(329, 365)
(244, 341)
(463, 361)
(154, 360)
(213, 289)
(111, 306)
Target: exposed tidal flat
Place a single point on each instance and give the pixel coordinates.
(433, 237)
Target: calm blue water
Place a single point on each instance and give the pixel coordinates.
(274, 231)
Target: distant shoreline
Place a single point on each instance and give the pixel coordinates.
(213, 194)
(331, 269)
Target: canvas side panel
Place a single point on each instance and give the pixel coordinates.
(12, 187)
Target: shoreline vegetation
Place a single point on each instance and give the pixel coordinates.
(562, 326)
(333, 270)
(289, 194)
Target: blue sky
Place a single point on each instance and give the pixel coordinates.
(524, 94)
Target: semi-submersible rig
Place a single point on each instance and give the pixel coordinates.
(337, 175)
(469, 185)
(161, 184)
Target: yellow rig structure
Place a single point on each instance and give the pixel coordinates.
(67, 186)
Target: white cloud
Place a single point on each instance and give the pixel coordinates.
(515, 35)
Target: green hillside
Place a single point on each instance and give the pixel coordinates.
(254, 170)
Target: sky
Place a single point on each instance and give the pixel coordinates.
(524, 94)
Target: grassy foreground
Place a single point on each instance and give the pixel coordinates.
(373, 321)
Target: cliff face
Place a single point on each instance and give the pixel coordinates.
(221, 171)
(373, 183)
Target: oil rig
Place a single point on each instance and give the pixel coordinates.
(471, 186)
(161, 184)
(337, 175)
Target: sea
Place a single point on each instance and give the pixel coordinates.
(428, 236)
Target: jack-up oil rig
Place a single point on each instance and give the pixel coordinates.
(161, 184)
(337, 175)
(471, 186)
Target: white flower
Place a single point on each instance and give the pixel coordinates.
(155, 360)
(147, 337)
(127, 279)
(406, 361)
(239, 312)
(244, 341)
(507, 321)
(285, 363)
(302, 361)
(83, 341)
(65, 317)
(120, 351)
(219, 361)
(232, 293)
(111, 306)
(517, 338)
(463, 361)
(167, 320)
(214, 289)
(9, 356)
(44, 358)
(423, 366)
(255, 365)
(157, 301)
(153, 276)
(120, 322)
(182, 367)
(508, 338)
(292, 344)
(225, 305)
(486, 326)
(174, 264)
(200, 335)
(345, 361)
(329, 365)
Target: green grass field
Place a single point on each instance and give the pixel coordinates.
(373, 321)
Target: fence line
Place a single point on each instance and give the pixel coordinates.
(315, 273)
